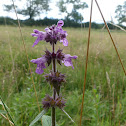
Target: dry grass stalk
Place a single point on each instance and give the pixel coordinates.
(111, 37)
(86, 64)
(11, 123)
(26, 56)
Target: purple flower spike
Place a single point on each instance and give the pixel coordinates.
(40, 36)
(67, 60)
(52, 34)
(40, 64)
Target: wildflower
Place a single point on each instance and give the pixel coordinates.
(60, 23)
(52, 34)
(68, 60)
(50, 102)
(40, 64)
(40, 36)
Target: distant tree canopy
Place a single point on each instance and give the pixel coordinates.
(76, 6)
(121, 13)
(31, 8)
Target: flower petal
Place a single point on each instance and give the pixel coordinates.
(36, 31)
(40, 64)
(34, 35)
(60, 23)
(65, 42)
(39, 69)
(68, 60)
(36, 42)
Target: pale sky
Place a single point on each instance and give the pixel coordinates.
(107, 6)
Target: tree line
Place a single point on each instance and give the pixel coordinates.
(33, 8)
(48, 22)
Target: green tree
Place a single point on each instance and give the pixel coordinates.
(31, 8)
(76, 6)
(121, 13)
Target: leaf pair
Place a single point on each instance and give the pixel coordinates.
(46, 120)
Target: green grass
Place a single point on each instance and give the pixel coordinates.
(105, 103)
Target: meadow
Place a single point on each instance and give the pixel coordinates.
(105, 94)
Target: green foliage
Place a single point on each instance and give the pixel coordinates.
(104, 103)
(31, 8)
(121, 13)
(76, 6)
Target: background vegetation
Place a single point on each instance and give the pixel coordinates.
(105, 96)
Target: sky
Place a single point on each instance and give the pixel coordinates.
(108, 8)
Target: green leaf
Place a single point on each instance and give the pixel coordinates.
(38, 117)
(47, 120)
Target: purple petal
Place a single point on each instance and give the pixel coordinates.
(47, 29)
(67, 63)
(36, 31)
(65, 42)
(39, 69)
(60, 23)
(39, 60)
(36, 42)
(34, 35)
(74, 57)
(68, 60)
(40, 64)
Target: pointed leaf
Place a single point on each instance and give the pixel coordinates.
(68, 115)
(38, 117)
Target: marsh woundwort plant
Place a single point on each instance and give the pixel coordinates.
(52, 35)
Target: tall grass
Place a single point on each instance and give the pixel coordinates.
(105, 96)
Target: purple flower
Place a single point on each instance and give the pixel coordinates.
(50, 102)
(60, 23)
(68, 60)
(63, 38)
(40, 36)
(40, 64)
(52, 34)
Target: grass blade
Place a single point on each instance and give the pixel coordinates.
(6, 109)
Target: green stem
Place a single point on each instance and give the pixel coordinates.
(54, 91)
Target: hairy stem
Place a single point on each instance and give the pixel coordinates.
(54, 91)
